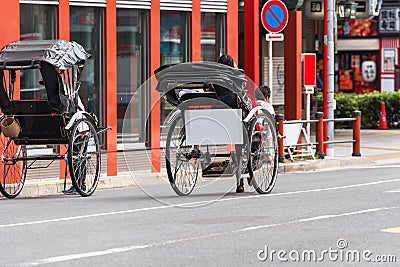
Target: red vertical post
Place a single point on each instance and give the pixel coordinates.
(232, 31)
(111, 85)
(279, 119)
(63, 28)
(195, 27)
(9, 12)
(232, 37)
(357, 134)
(252, 40)
(319, 136)
(10, 31)
(293, 71)
(155, 107)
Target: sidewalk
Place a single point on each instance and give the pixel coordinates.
(377, 147)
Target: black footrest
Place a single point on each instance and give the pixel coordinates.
(218, 168)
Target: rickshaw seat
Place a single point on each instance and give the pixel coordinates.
(52, 81)
(30, 107)
(189, 95)
(39, 123)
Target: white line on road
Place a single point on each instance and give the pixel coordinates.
(393, 191)
(322, 217)
(376, 167)
(174, 241)
(194, 204)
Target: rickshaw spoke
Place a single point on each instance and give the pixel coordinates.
(263, 159)
(84, 162)
(182, 173)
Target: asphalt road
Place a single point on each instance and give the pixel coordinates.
(335, 214)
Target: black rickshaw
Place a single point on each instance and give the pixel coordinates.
(58, 119)
(207, 97)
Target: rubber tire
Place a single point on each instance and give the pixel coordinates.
(171, 176)
(271, 183)
(78, 188)
(21, 173)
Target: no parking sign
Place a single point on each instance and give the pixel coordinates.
(274, 16)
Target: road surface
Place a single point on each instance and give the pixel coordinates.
(331, 217)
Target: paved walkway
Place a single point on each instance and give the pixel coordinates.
(376, 145)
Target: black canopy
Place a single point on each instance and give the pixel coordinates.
(225, 79)
(170, 76)
(61, 54)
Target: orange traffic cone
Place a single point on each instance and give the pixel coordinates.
(382, 119)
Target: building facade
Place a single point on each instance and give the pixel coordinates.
(128, 41)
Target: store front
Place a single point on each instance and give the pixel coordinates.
(87, 28)
(358, 56)
(132, 71)
(389, 31)
(126, 47)
(212, 36)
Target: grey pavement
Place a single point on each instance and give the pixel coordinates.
(377, 147)
(353, 210)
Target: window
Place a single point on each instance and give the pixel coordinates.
(212, 36)
(37, 22)
(354, 28)
(132, 71)
(358, 71)
(87, 29)
(174, 46)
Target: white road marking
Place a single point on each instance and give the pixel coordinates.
(377, 166)
(174, 241)
(393, 191)
(322, 217)
(194, 204)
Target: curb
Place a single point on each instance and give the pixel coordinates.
(34, 188)
(323, 164)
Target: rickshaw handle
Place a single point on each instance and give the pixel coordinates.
(103, 129)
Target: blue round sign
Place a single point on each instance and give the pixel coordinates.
(274, 16)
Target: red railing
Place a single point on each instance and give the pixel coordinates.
(319, 133)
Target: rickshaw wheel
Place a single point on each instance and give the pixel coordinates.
(263, 161)
(12, 173)
(182, 161)
(84, 157)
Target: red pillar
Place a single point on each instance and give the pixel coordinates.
(357, 134)
(154, 116)
(292, 46)
(9, 30)
(63, 28)
(63, 25)
(319, 132)
(279, 119)
(195, 27)
(232, 29)
(252, 40)
(9, 13)
(111, 85)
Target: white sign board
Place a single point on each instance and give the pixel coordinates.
(213, 126)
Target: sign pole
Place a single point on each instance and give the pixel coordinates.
(308, 113)
(331, 75)
(270, 67)
(309, 81)
(274, 18)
